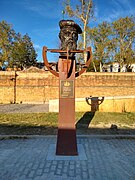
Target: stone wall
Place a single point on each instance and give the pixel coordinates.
(41, 86)
(109, 104)
(105, 84)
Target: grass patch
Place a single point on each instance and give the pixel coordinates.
(97, 118)
(30, 119)
(46, 123)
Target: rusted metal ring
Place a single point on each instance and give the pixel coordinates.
(78, 73)
(46, 62)
(89, 58)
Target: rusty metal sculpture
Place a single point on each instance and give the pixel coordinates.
(94, 102)
(66, 138)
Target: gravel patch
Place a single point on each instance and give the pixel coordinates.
(24, 108)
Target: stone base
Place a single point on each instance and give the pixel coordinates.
(52, 154)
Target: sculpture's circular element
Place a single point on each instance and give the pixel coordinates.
(78, 73)
(49, 67)
(86, 65)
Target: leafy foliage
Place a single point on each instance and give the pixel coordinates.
(23, 53)
(110, 41)
(114, 41)
(15, 49)
(7, 35)
(100, 36)
(83, 10)
(124, 37)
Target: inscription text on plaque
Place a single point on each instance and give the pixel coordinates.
(67, 89)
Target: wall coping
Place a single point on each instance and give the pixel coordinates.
(106, 97)
(84, 74)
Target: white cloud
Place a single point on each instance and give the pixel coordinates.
(113, 10)
(42, 7)
(37, 47)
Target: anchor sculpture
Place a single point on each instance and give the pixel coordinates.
(66, 138)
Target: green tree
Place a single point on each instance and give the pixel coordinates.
(101, 39)
(124, 37)
(83, 10)
(113, 42)
(15, 49)
(23, 54)
(7, 35)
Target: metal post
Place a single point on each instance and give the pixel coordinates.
(66, 139)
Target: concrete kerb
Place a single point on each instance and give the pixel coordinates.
(55, 136)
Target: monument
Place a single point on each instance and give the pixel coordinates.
(66, 138)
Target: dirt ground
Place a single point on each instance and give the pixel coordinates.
(24, 108)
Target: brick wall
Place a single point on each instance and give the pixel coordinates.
(105, 84)
(41, 86)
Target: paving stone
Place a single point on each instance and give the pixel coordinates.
(104, 158)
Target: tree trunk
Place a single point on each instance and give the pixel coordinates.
(84, 42)
(94, 66)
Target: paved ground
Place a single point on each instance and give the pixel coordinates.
(33, 158)
(23, 108)
(104, 158)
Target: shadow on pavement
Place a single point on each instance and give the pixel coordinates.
(27, 130)
(85, 120)
(50, 130)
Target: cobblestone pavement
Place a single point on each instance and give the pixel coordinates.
(107, 158)
(23, 108)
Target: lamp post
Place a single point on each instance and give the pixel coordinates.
(14, 80)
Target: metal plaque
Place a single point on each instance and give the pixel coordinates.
(66, 89)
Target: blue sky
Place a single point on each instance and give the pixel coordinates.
(40, 18)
